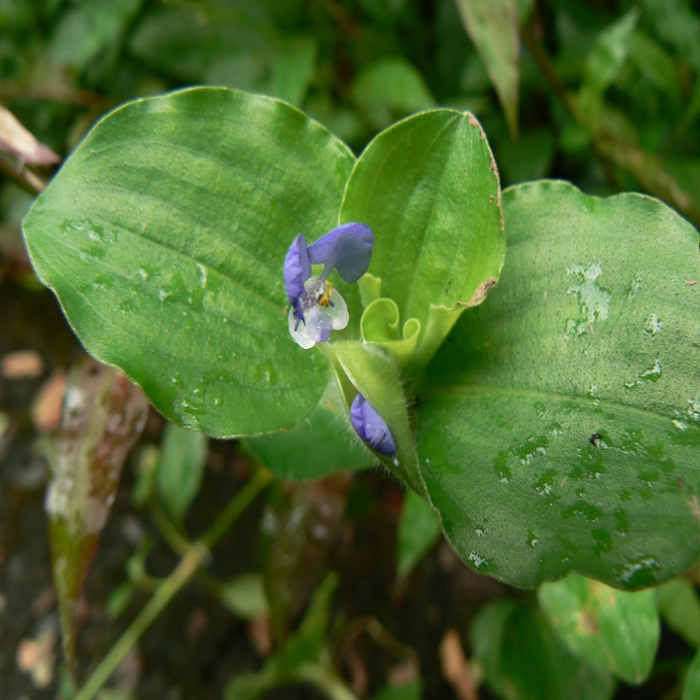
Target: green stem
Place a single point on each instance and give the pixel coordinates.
(184, 571)
(234, 509)
(196, 555)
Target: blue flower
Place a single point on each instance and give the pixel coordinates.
(371, 427)
(317, 308)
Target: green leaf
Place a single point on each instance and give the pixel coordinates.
(419, 530)
(679, 605)
(244, 596)
(103, 416)
(604, 63)
(428, 187)
(375, 376)
(677, 23)
(615, 630)
(390, 89)
(559, 426)
(691, 686)
(88, 28)
(181, 468)
(322, 444)
(524, 660)
(493, 26)
(164, 237)
(655, 64)
(293, 69)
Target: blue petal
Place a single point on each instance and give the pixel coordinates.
(297, 269)
(371, 427)
(347, 248)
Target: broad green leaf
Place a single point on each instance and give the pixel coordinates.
(103, 416)
(164, 237)
(493, 26)
(181, 468)
(679, 605)
(691, 686)
(559, 426)
(390, 89)
(322, 444)
(419, 530)
(524, 660)
(428, 187)
(375, 376)
(615, 630)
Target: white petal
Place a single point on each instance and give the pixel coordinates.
(338, 312)
(318, 323)
(301, 334)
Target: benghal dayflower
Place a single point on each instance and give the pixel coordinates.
(317, 308)
(371, 427)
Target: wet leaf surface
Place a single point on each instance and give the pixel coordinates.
(559, 427)
(103, 417)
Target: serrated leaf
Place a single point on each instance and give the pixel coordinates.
(524, 660)
(559, 426)
(428, 188)
(103, 416)
(181, 468)
(419, 530)
(493, 26)
(614, 630)
(164, 237)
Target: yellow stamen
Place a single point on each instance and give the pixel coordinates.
(325, 298)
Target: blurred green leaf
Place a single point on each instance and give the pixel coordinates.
(300, 525)
(691, 686)
(524, 660)
(614, 630)
(103, 416)
(493, 26)
(88, 28)
(560, 418)
(191, 46)
(244, 596)
(419, 530)
(390, 89)
(655, 64)
(166, 250)
(528, 158)
(293, 69)
(181, 468)
(678, 24)
(679, 605)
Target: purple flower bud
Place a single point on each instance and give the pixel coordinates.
(371, 427)
(297, 269)
(347, 248)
